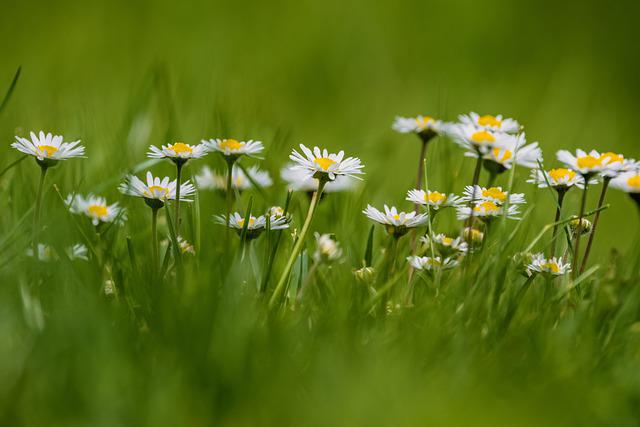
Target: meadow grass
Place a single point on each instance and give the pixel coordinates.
(201, 346)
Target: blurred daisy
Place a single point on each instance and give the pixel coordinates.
(325, 166)
(95, 208)
(447, 245)
(493, 194)
(396, 223)
(185, 246)
(491, 123)
(629, 182)
(552, 267)
(508, 150)
(424, 126)
(583, 163)
(327, 248)
(155, 192)
(48, 148)
(256, 224)
(178, 152)
(487, 210)
(433, 199)
(473, 236)
(233, 148)
(615, 164)
(559, 179)
(429, 263)
(275, 211)
(476, 140)
(209, 180)
(46, 253)
(299, 180)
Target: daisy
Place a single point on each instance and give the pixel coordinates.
(447, 245)
(156, 192)
(210, 180)
(492, 194)
(299, 180)
(491, 123)
(487, 210)
(396, 223)
(327, 248)
(232, 148)
(48, 148)
(325, 166)
(178, 152)
(96, 208)
(433, 199)
(552, 267)
(256, 224)
(508, 150)
(428, 263)
(473, 236)
(424, 126)
(275, 211)
(629, 182)
(47, 253)
(586, 164)
(185, 246)
(476, 140)
(559, 179)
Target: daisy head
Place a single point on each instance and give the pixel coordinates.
(560, 179)
(434, 199)
(185, 247)
(487, 210)
(396, 223)
(424, 126)
(233, 148)
(431, 263)
(478, 141)
(96, 208)
(325, 166)
(473, 237)
(492, 194)
(446, 245)
(327, 248)
(629, 182)
(553, 267)
(586, 164)
(490, 123)
(299, 180)
(48, 148)
(178, 152)
(209, 180)
(156, 192)
(615, 164)
(510, 150)
(255, 226)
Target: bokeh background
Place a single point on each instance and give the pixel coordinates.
(121, 75)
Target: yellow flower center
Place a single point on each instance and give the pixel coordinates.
(396, 217)
(489, 121)
(447, 241)
(609, 158)
(488, 207)
(551, 266)
(252, 221)
(48, 150)
(239, 181)
(180, 147)
(434, 262)
(482, 137)
(634, 181)
(434, 197)
(324, 162)
(495, 193)
(158, 189)
(502, 155)
(588, 162)
(561, 173)
(98, 210)
(423, 122)
(231, 144)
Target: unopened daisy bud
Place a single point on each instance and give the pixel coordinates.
(365, 275)
(109, 288)
(327, 248)
(585, 227)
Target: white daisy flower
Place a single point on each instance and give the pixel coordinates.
(275, 211)
(433, 199)
(476, 140)
(299, 180)
(156, 192)
(553, 267)
(325, 166)
(178, 152)
(629, 182)
(560, 179)
(429, 263)
(397, 223)
(583, 163)
(209, 180)
(447, 245)
(491, 123)
(256, 224)
(615, 164)
(487, 210)
(233, 148)
(185, 246)
(425, 126)
(493, 194)
(509, 149)
(95, 208)
(48, 148)
(46, 253)
(327, 248)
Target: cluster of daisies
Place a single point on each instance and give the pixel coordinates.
(497, 144)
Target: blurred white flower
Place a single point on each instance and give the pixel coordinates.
(325, 166)
(327, 248)
(209, 180)
(95, 208)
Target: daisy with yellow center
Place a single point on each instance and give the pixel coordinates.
(327, 248)
(48, 148)
(210, 180)
(489, 122)
(255, 226)
(586, 164)
(299, 180)
(431, 263)
(178, 152)
(508, 150)
(486, 210)
(325, 166)
(629, 182)
(492, 194)
(424, 126)
(233, 147)
(434, 199)
(559, 179)
(446, 245)
(397, 223)
(551, 267)
(478, 141)
(96, 208)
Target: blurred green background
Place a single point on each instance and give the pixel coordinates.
(121, 75)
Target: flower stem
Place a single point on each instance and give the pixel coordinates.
(277, 293)
(230, 162)
(36, 213)
(561, 194)
(423, 152)
(596, 219)
(178, 176)
(476, 179)
(576, 244)
(154, 238)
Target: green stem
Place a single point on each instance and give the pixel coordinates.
(154, 238)
(576, 244)
(596, 219)
(297, 247)
(230, 162)
(36, 213)
(423, 152)
(492, 179)
(476, 178)
(178, 176)
(561, 194)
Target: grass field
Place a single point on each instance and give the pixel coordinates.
(202, 346)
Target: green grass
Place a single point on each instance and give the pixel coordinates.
(206, 350)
